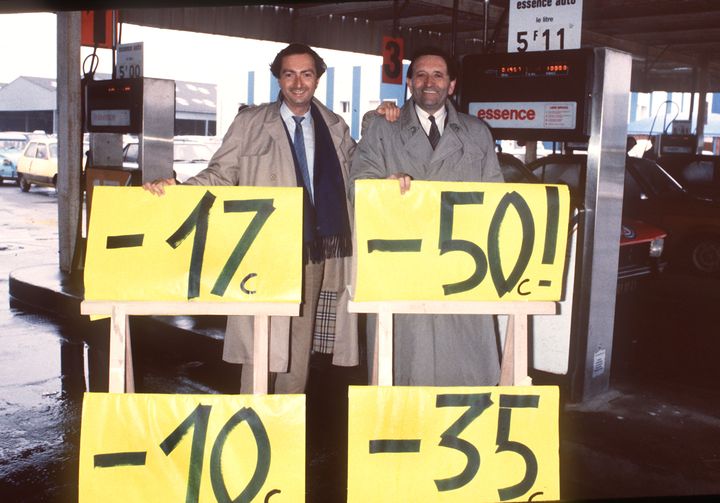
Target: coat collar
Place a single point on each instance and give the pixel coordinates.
(415, 139)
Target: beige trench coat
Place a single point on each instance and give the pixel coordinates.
(256, 152)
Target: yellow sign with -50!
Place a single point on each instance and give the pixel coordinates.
(446, 241)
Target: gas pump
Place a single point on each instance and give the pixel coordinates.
(141, 106)
(568, 96)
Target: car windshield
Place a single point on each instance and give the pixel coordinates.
(191, 152)
(657, 179)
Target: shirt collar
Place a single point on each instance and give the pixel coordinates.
(287, 115)
(439, 118)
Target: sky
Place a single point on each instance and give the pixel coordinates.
(195, 57)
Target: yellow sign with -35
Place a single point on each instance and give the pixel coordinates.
(460, 241)
(192, 448)
(216, 244)
(453, 444)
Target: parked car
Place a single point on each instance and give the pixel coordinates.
(189, 157)
(12, 145)
(698, 173)
(653, 196)
(641, 244)
(38, 163)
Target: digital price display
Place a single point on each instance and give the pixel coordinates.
(514, 90)
(192, 448)
(460, 241)
(453, 444)
(216, 244)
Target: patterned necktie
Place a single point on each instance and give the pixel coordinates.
(299, 144)
(434, 134)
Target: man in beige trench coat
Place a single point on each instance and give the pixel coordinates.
(294, 141)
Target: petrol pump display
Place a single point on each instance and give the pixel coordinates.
(530, 95)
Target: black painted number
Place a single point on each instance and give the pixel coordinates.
(198, 421)
(198, 220)
(477, 404)
(507, 404)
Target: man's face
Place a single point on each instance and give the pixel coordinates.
(430, 84)
(298, 81)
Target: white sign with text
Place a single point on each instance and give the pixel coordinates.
(544, 25)
(129, 61)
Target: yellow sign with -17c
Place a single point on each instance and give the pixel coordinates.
(460, 241)
(453, 444)
(192, 448)
(216, 244)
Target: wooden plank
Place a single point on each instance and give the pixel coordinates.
(192, 308)
(508, 355)
(456, 307)
(261, 352)
(384, 343)
(116, 363)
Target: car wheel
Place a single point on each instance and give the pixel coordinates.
(704, 255)
(24, 184)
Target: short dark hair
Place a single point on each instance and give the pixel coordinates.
(293, 49)
(433, 51)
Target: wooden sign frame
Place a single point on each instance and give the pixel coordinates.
(514, 367)
(120, 366)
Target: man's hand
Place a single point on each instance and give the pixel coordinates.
(389, 110)
(404, 180)
(157, 187)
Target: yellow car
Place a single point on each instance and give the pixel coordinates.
(38, 163)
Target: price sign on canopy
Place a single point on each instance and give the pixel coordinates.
(142, 447)
(460, 241)
(216, 244)
(453, 444)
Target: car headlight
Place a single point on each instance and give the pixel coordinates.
(656, 247)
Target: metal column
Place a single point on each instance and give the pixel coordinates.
(600, 224)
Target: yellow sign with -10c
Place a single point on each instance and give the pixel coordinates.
(216, 244)
(192, 448)
(445, 241)
(453, 444)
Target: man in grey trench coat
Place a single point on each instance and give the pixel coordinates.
(433, 350)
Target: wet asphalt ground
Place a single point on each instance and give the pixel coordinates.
(655, 433)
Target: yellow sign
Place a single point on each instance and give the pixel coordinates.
(192, 448)
(460, 241)
(217, 244)
(453, 444)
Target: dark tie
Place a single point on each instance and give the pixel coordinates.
(299, 143)
(434, 134)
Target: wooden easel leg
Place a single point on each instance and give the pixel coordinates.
(129, 374)
(261, 345)
(520, 351)
(384, 348)
(507, 368)
(118, 341)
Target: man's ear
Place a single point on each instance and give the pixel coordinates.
(451, 87)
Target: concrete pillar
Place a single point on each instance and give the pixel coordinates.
(69, 136)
